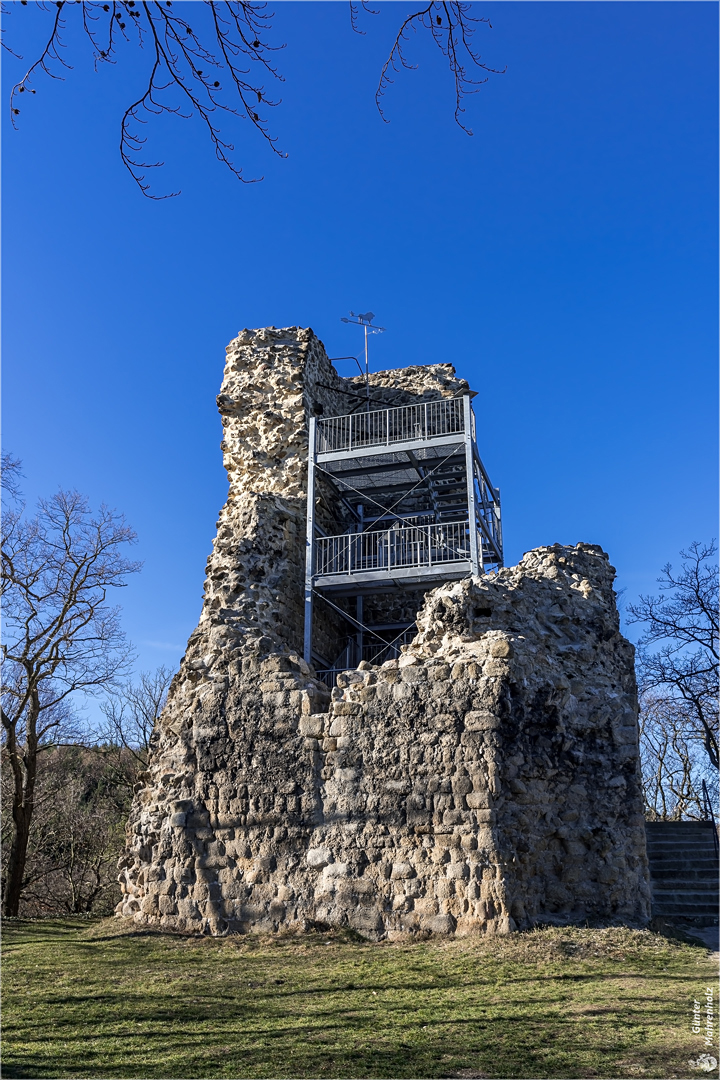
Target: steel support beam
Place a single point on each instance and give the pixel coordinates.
(309, 542)
(476, 556)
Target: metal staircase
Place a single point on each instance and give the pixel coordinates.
(421, 506)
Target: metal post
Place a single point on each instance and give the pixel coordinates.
(359, 600)
(475, 548)
(309, 542)
(367, 371)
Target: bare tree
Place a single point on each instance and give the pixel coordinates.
(60, 637)
(678, 651)
(220, 65)
(130, 711)
(673, 761)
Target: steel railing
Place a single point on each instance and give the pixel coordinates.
(384, 427)
(394, 548)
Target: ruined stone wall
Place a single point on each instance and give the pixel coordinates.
(487, 780)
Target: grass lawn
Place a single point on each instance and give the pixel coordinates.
(104, 999)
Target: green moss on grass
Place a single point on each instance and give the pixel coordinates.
(109, 1000)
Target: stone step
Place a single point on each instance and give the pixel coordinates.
(695, 849)
(682, 860)
(677, 837)
(685, 897)
(693, 838)
(699, 837)
(685, 873)
(680, 881)
(677, 907)
(683, 870)
(709, 914)
(680, 826)
(681, 863)
(702, 848)
(705, 848)
(704, 858)
(689, 896)
(682, 876)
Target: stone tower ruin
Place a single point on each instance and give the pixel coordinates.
(479, 773)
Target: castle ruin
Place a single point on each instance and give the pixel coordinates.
(479, 773)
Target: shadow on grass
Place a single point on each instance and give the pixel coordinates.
(673, 931)
(494, 1047)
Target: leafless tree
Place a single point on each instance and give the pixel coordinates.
(678, 651)
(60, 636)
(673, 761)
(222, 63)
(130, 711)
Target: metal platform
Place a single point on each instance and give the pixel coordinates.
(420, 502)
(401, 555)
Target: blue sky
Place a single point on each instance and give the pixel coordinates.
(563, 258)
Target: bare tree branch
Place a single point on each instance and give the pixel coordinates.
(184, 74)
(452, 28)
(10, 472)
(672, 760)
(678, 652)
(220, 69)
(131, 711)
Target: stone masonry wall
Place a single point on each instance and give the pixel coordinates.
(485, 781)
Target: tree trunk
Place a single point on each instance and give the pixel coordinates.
(16, 861)
(24, 767)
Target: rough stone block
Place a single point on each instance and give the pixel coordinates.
(318, 857)
(401, 870)
(438, 924)
(312, 725)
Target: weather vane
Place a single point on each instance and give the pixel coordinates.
(366, 321)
